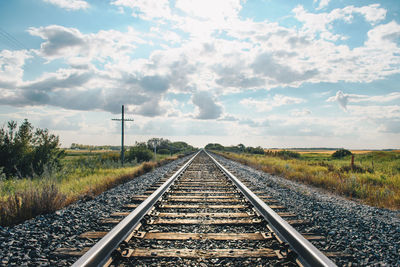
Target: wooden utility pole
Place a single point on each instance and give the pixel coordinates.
(123, 120)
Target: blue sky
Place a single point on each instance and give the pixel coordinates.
(316, 73)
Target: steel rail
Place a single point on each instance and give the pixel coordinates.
(308, 254)
(100, 253)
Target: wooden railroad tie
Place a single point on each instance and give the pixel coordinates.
(198, 253)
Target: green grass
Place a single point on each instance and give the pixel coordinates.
(374, 179)
(80, 178)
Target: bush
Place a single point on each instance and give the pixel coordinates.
(110, 157)
(286, 154)
(25, 152)
(139, 153)
(283, 154)
(255, 150)
(341, 153)
(356, 168)
(163, 151)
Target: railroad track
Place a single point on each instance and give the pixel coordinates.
(201, 215)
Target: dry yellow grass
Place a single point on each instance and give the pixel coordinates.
(374, 179)
(30, 198)
(329, 152)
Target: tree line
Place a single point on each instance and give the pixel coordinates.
(143, 151)
(236, 149)
(27, 152)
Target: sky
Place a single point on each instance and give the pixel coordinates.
(315, 73)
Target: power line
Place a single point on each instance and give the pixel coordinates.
(15, 44)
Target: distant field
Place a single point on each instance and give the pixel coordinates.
(86, 151)
(374, 178)
(330, 152)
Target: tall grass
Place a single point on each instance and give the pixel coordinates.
(374, 179)
(22, 199)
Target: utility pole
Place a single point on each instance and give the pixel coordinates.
(123, 120)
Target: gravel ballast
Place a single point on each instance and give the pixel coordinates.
(33, 242)
(370, 235)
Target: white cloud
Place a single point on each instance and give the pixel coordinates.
(372, 13)
(268, 66)
(375, 112)
(11, 67)
(69, 4)
(216, 11)
(322, 4)
(300, 113)
(64, 42)
(314, 23)
(264, 105)
(149, 9)
(206, 105)
(343, 99)
(384, 35)
(60, 40)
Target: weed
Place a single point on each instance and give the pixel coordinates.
(22, 199)
(30, 202)
(375, 184)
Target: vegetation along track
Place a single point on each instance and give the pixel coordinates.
(201, 215)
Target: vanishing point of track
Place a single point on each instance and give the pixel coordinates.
(202, 214)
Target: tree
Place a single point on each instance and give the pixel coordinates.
(241, 147)
(341, 153)
(157, 143)
(25, 152)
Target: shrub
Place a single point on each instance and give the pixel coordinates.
(286, 154)
(163, 151)
(110, 157)
(255, 150)
(356, 168)
(341, 153)
(139, 153)
(25, 152)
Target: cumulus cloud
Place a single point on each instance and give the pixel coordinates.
(235, 77)
(384, 35)
(11, 67)
(150, 108)
(266, 64)
(70, 43)
(207, 107)
(389, 125)
(343, 99)
(68, 123)
(322, 4)
(63, 78)
(375, 112)
(314, 23)
(59, 40)
(209, 9)
(300, 112)
(69, 4)
(149, 9)
(264, 105)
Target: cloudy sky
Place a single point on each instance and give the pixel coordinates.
(315, 73)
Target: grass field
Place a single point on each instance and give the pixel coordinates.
(374, 178)
(82, 177)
